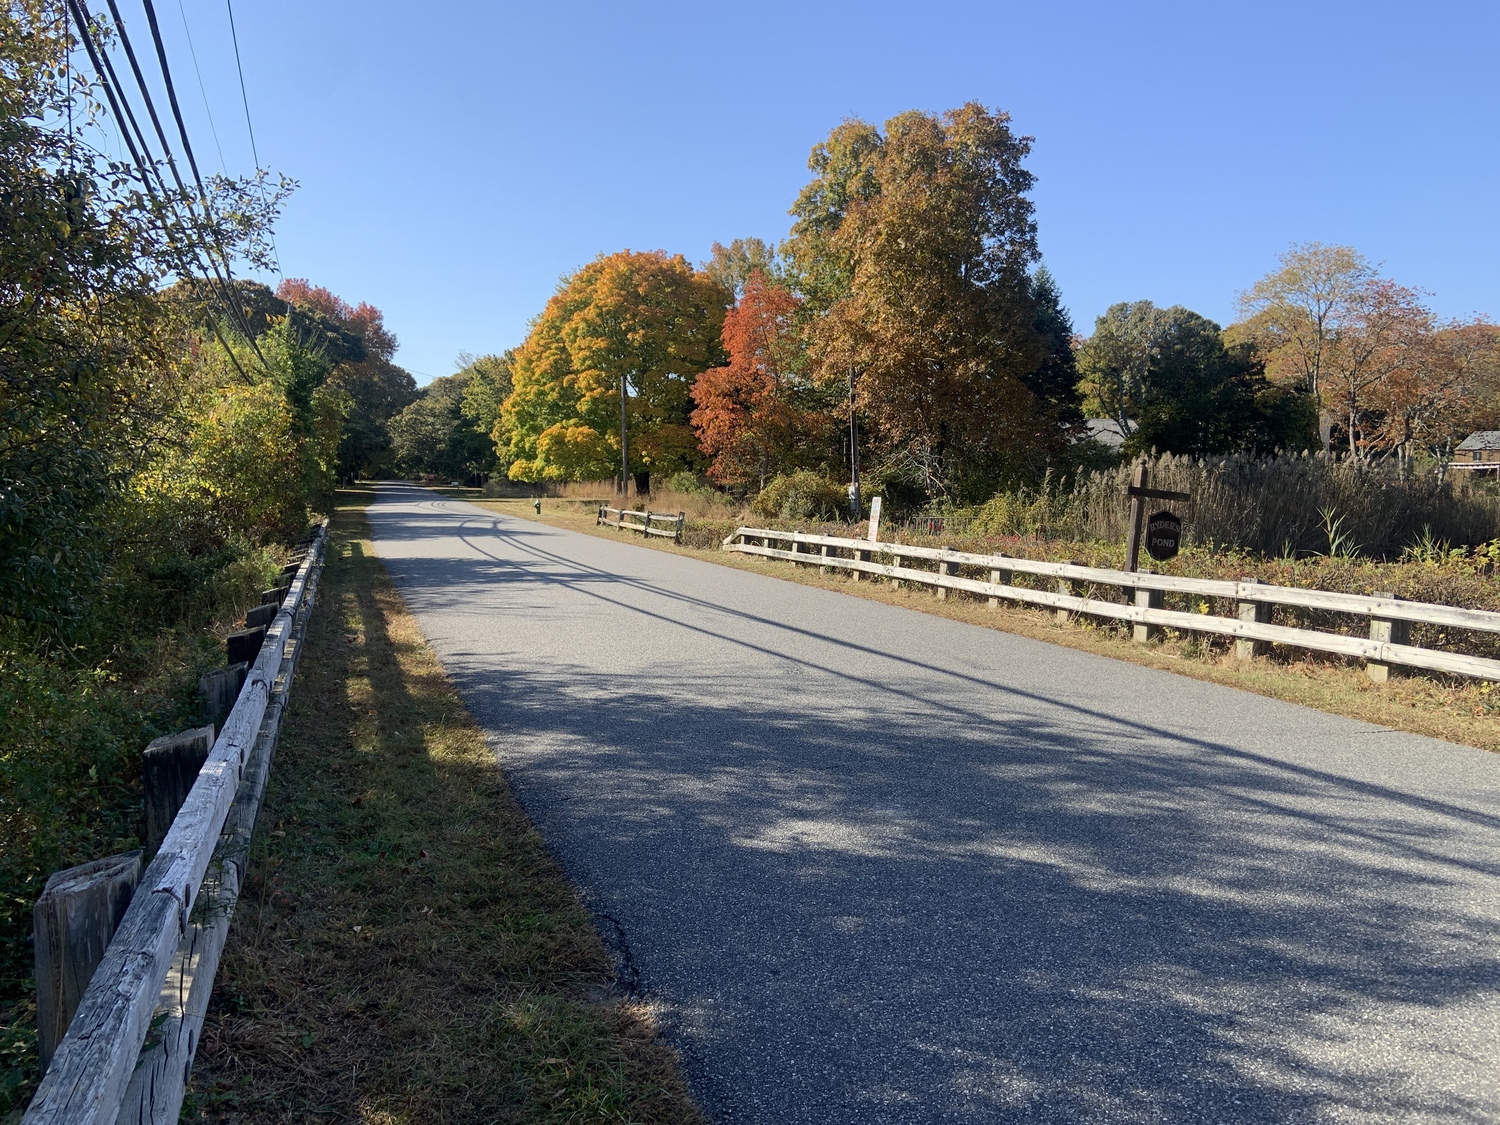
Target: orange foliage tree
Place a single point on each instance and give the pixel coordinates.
(748, 417)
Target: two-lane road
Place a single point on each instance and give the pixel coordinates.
(878, 866)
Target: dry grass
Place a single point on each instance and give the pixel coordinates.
(406, 950)
(1453, 710)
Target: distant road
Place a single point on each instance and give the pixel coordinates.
(879, 866)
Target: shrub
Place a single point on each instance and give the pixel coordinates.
(800, 496)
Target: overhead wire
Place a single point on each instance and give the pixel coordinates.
(187, 147)
(109, 80)
(234, 38)
(220, 275)
(202, 90)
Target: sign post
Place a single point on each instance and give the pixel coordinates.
(1138, 492)
(874, 532)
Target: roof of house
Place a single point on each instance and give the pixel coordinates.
(1106, 431)
(1481, 439)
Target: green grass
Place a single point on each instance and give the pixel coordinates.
(406, 950)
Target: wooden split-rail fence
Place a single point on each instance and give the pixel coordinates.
(627, 520)
(130, 1036)
(1076, 591)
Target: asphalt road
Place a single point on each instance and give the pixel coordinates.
(877, 866)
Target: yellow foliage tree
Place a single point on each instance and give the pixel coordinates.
(644, 322)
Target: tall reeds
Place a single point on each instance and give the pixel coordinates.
(1289, 505)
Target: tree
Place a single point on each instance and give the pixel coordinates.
(748, 417)
(730, 267)
(362, 350)
(1054, 381)
(90, 354)
(644, 322)
(490, 381)
(1300, 318)
(1170, 383)
(1385, 330)
(918, 243)
(435, 435)
(1446, 385)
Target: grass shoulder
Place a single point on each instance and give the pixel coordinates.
(406, 950)
(1453, 710)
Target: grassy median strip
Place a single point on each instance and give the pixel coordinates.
(1452, 709)
(406, 950)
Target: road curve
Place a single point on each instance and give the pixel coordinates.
(878, 866)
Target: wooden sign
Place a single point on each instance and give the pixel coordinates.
(1163, 535)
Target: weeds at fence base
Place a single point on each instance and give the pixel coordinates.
(405, 948)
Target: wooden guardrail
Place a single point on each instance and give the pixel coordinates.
(619, 517)
(129, 1048)
(1390, 618)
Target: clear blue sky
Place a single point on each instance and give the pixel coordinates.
(456, 159)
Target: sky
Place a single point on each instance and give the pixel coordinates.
(455, 160)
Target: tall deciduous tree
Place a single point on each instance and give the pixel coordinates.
(436, 435)
(749, 416)
(490, 380)
(1446, 384)
(644, 321)
(731, 266)
(377, 388)
(1303, 318)
(915, 245)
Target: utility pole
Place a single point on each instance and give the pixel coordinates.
(855, 505)
(624, 443)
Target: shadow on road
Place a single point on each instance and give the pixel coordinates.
(937, 909)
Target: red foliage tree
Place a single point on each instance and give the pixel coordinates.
(364, 319)
(748, 418)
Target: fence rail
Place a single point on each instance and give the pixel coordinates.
(1390, 618)
(617, 517)
(155, 977)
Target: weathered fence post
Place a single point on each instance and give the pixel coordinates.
(218, 688)
(1001, 577)
(1065, 586)
(1390, 631)
(261, 615)
(1147, 599)
(825, 568)
(945, 568)
(895, 561)
(169, 766)
(681, 520)
(73, 921)
(1255, 613)
(243, 645)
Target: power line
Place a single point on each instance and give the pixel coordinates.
(187, 145)
(105, 72)
(250, 127)
(223, 276)
(234, 37)
(207, 109)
